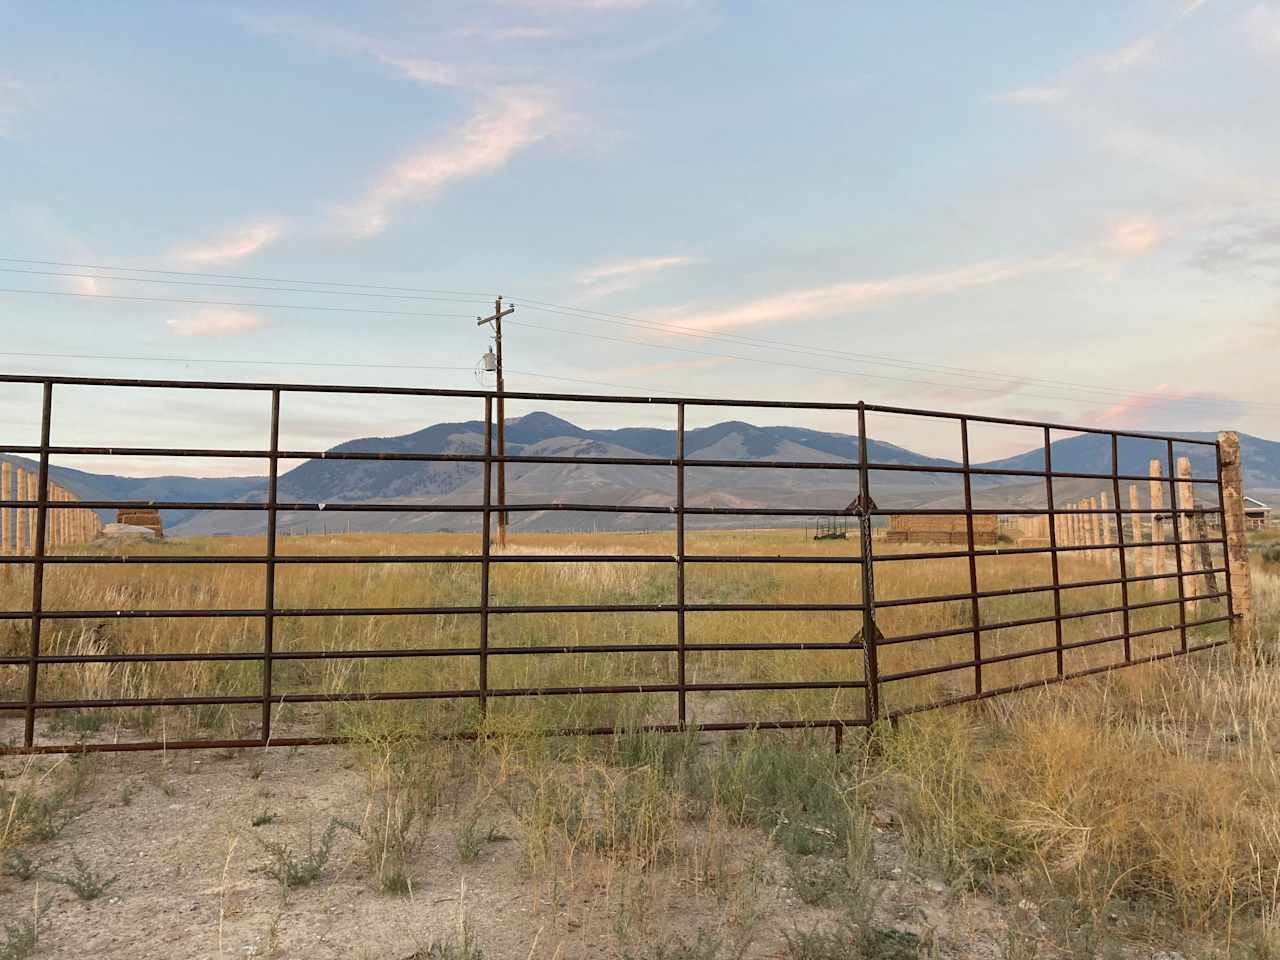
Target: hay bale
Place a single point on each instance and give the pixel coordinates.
(148, 517)
(946, 529)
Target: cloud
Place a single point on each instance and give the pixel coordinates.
(1029, 95)
(1244, 249)
(1262, 24)
(1134, 236)
(864, 294)
(215, 322)
(1128, 55)
(15, 97)
(235, 245)
(501, 34)
(1164, 408)
(626, 269)
(644, 369)
(558, 6)
(483, 145)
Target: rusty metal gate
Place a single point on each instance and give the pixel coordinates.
(885, 653)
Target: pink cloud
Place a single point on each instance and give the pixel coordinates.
(1134, 236)
(484, 145)
(234, 245)
(864, 294)
(216, 322)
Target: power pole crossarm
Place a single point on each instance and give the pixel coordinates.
(496, 320)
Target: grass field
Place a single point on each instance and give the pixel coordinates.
(160, 587)
(1104, 817)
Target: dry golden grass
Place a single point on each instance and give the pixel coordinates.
(1155, 788)
(232, 587)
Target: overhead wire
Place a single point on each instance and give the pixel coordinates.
(1001, 381)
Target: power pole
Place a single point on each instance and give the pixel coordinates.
(496, 320)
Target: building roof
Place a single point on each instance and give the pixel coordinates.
(1250, 501)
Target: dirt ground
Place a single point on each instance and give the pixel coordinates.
(178, 831)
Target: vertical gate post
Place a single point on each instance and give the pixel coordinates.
(1159, 555)
(1239, 583)
(681, 693)
(486, 549)
(37, 566)
(1054, 542)
(269, 576)
(975, 614)
(870, 632)
(1126, 619)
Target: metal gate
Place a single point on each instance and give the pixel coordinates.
(1109, 584)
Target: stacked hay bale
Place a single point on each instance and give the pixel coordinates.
(947, 529)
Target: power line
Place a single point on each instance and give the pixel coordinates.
(759, 342)
(1005, 380)
(234, 286)
(813, 369)
(236, 303)
(233, 276)
(622, 319)
(323, 363)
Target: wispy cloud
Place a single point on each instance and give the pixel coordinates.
(483, 145)
(234, 245)
(1129, 55)
(1141, 49)
(630, 269)
(666, 366)
(216, 322)
(1134, 235)
(560, 6)
(14, 98)
(1163, 407)
(1029, 95)
(494, 34)
(858, 295)
(1262, 23)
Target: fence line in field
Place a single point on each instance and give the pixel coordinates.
(66, 527)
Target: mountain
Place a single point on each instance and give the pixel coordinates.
(103, 486)
(335, 482)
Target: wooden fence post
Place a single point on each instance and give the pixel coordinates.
(1237, 548)
(21, 516)
(1159, 555)
(1135, 525)
(6, 543)
(1186, 502)
(1104, 501)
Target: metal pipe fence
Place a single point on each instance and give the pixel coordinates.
(874, 681)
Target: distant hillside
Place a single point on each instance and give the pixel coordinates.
(105, 486)
(335, 482)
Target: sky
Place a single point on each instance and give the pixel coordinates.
(1061, 212)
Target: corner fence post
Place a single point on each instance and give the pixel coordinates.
(37, 567)
(870, 632)
(1239, 581)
